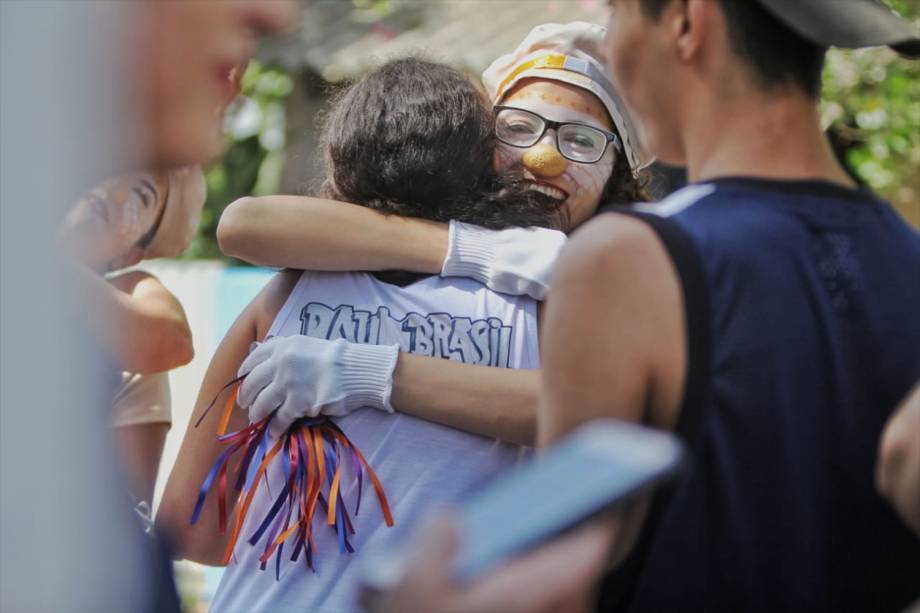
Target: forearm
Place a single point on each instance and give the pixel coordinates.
(495, 402)
(142, 334)
(202, 542)
(316, 234)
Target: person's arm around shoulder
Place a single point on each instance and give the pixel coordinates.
(316, 234)
(898, 475)
(137, 321)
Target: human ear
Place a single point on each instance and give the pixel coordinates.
(689, 27)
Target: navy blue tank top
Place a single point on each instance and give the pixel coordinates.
(803, 310)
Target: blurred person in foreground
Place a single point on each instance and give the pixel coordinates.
(190, 55)
(898, 474)
(765, 313)
(187, 54)
(139, 89)
(139, 324)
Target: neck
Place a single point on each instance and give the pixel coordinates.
(749, 133)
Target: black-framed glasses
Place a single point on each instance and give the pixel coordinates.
(577, 142)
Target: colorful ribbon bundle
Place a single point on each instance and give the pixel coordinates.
(313, 452)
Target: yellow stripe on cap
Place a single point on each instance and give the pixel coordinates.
(554, 60)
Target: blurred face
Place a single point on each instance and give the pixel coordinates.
(188, 53)
(642, 66)
(578, 185)
(106, 226)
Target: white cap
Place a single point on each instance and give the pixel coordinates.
(570, 53)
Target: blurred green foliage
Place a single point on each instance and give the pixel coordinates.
(255, 133)
(872, 108)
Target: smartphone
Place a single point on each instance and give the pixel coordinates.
(603, 464)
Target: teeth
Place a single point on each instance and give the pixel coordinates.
(548, 190)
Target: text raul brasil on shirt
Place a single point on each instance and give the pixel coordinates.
(421, 464)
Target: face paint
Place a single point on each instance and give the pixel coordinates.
(544, 160)
(580, 184)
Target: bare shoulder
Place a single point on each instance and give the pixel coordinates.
(612, 250)
(271, 299)
(615, 286)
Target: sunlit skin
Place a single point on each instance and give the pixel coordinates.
(581, 184)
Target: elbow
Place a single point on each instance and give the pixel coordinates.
(172, 528)
(182, 350)
(233, 229)
(894, 463)
(168, 346)
(898, 470)
(176, 348)
(173, 532)
(518, 431)
(187, 541)
(890, 463)
(520, 426)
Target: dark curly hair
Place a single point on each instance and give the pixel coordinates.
(414, 138)
(625, 186)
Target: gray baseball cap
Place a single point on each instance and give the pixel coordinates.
(847, 23)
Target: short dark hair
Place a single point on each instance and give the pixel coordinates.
(775, 54)
(415, 138)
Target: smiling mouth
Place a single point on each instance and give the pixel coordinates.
(549, 190)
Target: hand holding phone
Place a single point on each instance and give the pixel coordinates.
(603, 464)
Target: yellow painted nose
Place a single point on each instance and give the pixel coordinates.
(544, 160)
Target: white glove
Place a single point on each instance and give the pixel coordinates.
(304, 377)
(517, 261)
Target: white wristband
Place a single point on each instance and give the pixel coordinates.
(367, 376)
(470, 252)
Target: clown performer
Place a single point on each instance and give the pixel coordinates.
(562, 128)
(438, 118)
(135, 320)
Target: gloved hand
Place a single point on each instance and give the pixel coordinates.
(516, 261)
(304, 377)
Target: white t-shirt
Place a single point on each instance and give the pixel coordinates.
(420, 463)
